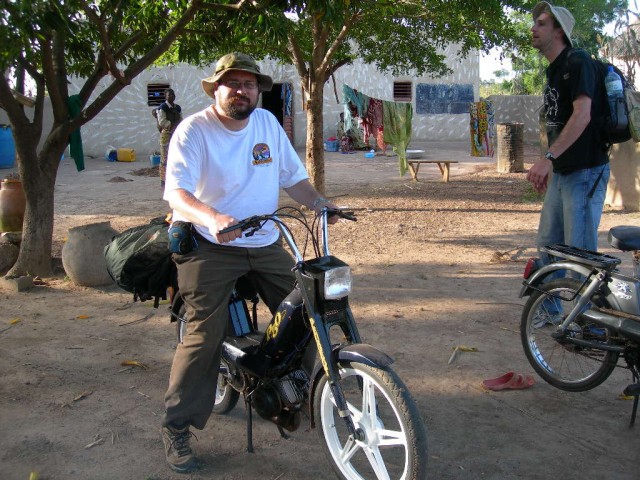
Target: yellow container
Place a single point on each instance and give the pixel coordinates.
(126, 155)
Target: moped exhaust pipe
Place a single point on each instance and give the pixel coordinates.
(624, 324)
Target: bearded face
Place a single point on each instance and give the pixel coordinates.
(238, 106)
(237, 95)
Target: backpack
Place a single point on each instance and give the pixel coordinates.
(633, 105)
(139, 261)
(611, 131)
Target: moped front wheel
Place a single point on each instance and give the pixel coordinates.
(561, 363)
(392, 441)
(226, 396)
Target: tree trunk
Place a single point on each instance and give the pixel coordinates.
(39, 184)
(315, 142)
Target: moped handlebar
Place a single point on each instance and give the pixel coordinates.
(246, 224)
(256, 220)
(346, 214)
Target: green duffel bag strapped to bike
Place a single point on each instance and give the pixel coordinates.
(139, 261)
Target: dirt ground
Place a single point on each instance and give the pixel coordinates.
(436, 265)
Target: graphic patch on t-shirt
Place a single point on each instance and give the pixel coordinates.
(551, 97)
(261, 155)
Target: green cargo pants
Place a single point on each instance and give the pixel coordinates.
(206, 278)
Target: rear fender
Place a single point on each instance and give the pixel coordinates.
(353, 353)
(540, 276)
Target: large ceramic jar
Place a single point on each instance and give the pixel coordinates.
(83, 257)
(12, 205)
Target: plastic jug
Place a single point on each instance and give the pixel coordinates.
(615, 96)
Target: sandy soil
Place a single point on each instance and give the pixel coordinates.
(436, 266)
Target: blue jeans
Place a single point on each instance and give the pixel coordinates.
(571, 214)
(572, 209)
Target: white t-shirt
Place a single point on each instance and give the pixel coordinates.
(237, 173)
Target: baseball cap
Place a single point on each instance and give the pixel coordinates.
(236, 61)
(561, 14)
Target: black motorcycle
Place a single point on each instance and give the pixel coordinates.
(310, 361)
(583, 314)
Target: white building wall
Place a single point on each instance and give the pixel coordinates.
(127, 122)
(367, 80)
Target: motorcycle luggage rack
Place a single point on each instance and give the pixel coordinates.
(587, 257)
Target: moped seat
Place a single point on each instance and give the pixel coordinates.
(625, 238)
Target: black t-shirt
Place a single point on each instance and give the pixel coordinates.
(571, 74)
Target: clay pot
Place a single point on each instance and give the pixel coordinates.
(12, 205)
(83, 257)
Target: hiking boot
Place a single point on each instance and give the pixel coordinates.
(176, 446)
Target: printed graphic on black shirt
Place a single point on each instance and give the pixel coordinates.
(551, 96)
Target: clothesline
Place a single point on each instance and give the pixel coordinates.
(389, 122)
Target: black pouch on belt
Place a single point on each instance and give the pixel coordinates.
(181, 237)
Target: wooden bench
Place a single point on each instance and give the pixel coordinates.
(443, 165)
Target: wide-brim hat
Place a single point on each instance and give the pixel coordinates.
(561, 14)
(236, 61)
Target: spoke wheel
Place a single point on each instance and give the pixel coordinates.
(393, 440)
(560, 363)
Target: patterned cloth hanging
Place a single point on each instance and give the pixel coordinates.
(388, 122)
(397, 117)
(482, 128)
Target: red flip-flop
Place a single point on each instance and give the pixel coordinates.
(509, 381)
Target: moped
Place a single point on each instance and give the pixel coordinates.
(583, 314)
(310, 360)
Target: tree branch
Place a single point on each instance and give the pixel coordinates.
(93, 79)
(237, 6)
(58, 104)
(135, 68)
(105, 42)
(326, 61)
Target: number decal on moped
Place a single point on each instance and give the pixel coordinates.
(272, 330)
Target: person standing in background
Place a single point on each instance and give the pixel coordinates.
(577, 153)
(169, 116)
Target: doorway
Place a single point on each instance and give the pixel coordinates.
(279, 101)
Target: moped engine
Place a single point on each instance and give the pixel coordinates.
(281, 400)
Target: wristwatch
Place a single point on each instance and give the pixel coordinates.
(549, 156)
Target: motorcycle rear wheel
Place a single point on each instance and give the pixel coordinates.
(566, 366)
(395, 440)
(226, 396)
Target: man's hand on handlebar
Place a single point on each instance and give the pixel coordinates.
(339, 213)
(219, 229)
(321, 203)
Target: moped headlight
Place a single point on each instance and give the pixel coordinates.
(337, 283)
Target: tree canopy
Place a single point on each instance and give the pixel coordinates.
(398, 37)
(591, 17)
(96, 40)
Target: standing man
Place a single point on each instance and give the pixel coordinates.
(577, 155)
(169, 116)
(227, 162)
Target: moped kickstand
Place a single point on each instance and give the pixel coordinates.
(633, 390)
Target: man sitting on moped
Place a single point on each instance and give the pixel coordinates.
(226, 163)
